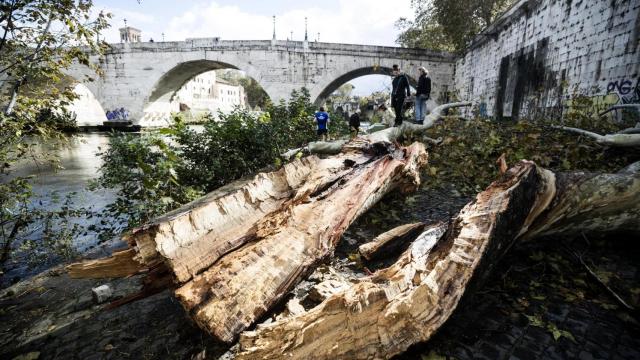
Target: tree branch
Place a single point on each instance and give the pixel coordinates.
(6, 29)
(616, 140)
(388, 135)
(20, 82)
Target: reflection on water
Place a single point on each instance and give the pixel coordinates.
(79, 164)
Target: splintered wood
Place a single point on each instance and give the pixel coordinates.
(382, 315)
(390, 241)
(235, 253)
(407, 302)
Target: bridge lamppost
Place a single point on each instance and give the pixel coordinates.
(291, 35)
(306, 38)
(126, 31)
(162, 37)
(274, 27)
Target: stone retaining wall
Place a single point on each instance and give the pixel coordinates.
(534, 58)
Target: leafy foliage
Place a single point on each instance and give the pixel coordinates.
(155, 173)
(447, 25)
(143, 168)
(38, 39)
(467, 157)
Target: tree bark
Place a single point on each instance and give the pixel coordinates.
(236, 252)
(384, 314)
(622, 139)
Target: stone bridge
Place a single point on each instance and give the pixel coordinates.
(143, 77)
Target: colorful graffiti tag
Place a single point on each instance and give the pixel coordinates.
(118, 115)
(618, 92)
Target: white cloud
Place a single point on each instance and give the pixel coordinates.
(355, 21)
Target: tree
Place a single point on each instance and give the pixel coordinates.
(266, 231)
(38, 40)
(447, 25)
(256, 96)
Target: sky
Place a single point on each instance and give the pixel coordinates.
(369, 22)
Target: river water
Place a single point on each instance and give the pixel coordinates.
(79, 161)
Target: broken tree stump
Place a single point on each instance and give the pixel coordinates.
(382, 315)
(236, 252)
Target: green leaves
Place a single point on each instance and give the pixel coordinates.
(447, 25)
(467, 156)
(536, 320)
(154, 173)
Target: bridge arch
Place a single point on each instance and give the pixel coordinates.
(159, 104)
(344, 78)
(88, 107)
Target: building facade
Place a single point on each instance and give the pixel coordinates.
(130, 34)
(207, 93)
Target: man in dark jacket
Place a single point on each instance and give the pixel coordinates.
(423, 93)
(354, 123)
(399, 92)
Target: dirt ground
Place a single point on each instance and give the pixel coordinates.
(539, 303)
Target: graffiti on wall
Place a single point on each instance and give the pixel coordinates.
(618, 92)
(121, 114)
(626, 91)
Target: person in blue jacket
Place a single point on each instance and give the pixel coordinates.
(322, 120)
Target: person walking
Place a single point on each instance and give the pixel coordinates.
(399, 92)
(354, 123)
(322, 120)
(423, 93)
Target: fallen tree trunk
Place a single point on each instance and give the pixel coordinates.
(236, 291)
(388, 135)
(406, 303)
(236, 252)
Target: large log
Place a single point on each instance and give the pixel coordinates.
(384, 314)
(407, 302)
(240, 288)
(592, 204)
(234, 253)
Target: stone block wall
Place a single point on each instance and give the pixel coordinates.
(541, 53)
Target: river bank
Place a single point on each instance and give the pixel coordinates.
(538, 304)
